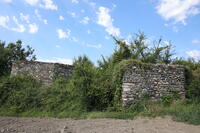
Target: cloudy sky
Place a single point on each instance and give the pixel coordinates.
(60, 30)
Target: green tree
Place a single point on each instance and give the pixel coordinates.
(192, 75)
(138, 46)
(139, 49)
(13, 52)
(84, 83)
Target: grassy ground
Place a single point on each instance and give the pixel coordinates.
(179, 110)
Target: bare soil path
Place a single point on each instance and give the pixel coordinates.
(54, 125)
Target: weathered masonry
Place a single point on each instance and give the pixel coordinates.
(45, 72)
(154, 80)
(138, 79)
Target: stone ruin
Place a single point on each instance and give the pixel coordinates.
(45, 72)
(154, 80)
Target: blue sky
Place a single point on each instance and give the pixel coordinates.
(60, 30)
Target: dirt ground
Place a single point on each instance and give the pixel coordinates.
(54, 125)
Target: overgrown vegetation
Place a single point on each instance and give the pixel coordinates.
(13, 52)
(95, 91)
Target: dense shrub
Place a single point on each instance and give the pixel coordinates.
(167, 99)
(192, 75)
(20, 91)
(56, 97)
(85, 84)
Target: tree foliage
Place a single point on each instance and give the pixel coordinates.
(192, 75)
(84, 83)
(141, 49)
(13, 52)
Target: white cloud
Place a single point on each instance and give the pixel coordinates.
(33, 28)
(37, 14)
(75, 1)
(45, 21)
(48, 4)
(40, 17)
(85, 20)
(61, 18)
(7, 1)
(92, 4)
(175, 29)
(106, 20)
(178, 10)
(4, 22)
(63, 34)
(195, 41)
(82, 10)
(166, 43)
(113, 31)
(72, 14)
(58, 60)
(98, 46)
(32, 2)
(104, 17)
(19, 28)
(67, 34)
(24, 17)
(193, 53)
(57, 46)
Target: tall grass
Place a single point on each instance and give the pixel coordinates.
(188, 113)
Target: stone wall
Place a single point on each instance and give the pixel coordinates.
(155, 80)
(45, 72)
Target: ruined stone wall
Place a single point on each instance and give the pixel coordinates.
(155, 80)
(45, 72)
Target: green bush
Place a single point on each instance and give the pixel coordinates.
(167, 99)
(192, 75)
(140, 105)
(136, 106)
(193, 89)
(85, 85)
(57, 96)
(20, 91)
